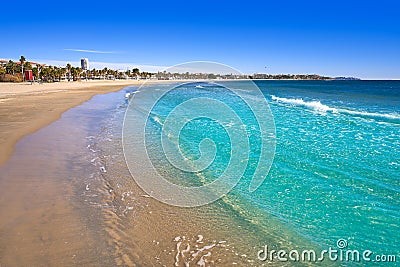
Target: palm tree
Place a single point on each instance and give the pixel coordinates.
(22, 61)
(76, 72)
(11, 67)
(58, 72)
(27, 66)
(105, 72)
(63, 71)
(37, 71)
(128, 73)
(136, 72)
(69, 71)
(92, 73)
(52, 71)
(44, 73)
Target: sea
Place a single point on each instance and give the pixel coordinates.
(325, 156)
(333, 180)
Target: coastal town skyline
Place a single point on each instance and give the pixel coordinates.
(331, 39)
(26, 70)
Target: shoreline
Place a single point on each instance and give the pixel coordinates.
(70, 212)
(26, 108)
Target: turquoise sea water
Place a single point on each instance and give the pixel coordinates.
(336, 170)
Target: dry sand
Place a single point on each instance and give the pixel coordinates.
(25, 107)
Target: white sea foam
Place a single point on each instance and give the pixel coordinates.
(392, 116)
(129, 95)
(318, 106)
(178, 252)
(202, 262)
(203, 249)
(200, 238)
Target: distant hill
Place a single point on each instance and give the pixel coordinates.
(347, 79)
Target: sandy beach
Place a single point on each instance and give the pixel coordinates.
(43, 223)
(58, 206)
(25, 107)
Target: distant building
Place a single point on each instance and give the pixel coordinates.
(84, 63)
(33, 64)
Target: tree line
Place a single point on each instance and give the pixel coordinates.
(13, 72)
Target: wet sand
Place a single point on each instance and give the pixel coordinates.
(25, 108)
(42, 223)
(40, 220)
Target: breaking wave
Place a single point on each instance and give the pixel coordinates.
(318, 106)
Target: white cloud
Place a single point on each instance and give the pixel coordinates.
(90, 51)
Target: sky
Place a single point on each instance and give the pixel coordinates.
(333, 38)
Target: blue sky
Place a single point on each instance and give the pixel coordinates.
(336, 38)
